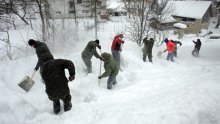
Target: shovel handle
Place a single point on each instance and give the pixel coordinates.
(33, 74)
(100, 69)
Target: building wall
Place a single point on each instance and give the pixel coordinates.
(195, 25)
(60, 9)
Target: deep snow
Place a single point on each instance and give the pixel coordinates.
(184, 92)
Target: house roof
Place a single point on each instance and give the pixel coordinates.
(115, 5)
(190, 9)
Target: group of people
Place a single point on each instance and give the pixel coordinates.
(171, 48)
(111, 61)
(52, 70)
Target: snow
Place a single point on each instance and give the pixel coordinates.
(190, 9)
(180, 25)
(115, 5)
(183, 92)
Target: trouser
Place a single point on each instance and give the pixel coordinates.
(88, 63)
(111, 81)
(116, 56)
(175, 53)
(67, 103)
(170, 56)
(195, 52)
(149, 57)
(65, 99)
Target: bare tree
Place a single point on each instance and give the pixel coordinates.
(139, 20)
(217, 5)
(16, 7)
(161, 11)
(7, 47)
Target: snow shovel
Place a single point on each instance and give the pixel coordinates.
(27, 82)
(160, 53)
(100, 69)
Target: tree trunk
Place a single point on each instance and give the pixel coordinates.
(95, 19)
(39, 3)
(218, 23)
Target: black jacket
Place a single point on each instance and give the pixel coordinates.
(41, 49)
(197, 44)
(53, 75)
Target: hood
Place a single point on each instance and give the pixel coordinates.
(106, 56)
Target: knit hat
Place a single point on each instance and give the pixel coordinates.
(97, 41)
(31, 42)
(166, 40)
(121, 35)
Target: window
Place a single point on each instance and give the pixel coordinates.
(99, 3)
(71, 11)
(71, 4)
(188, 19)
(79, 1)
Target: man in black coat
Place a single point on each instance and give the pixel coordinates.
(53, 74)
(198, 44)
(41, 49)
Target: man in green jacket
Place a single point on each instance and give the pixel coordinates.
(147, 50)
(88, 52)
(111, 69)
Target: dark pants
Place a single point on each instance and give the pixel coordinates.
(170, 56)
(66, 99)
(116, 56)
(195, 52)
(149, 57)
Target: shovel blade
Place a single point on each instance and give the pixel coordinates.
(26, 84)
(159, 53)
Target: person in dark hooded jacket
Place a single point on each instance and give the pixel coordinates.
(53, 74)
(41, 49)
(147, 49)
(88, 52)
(111, 69)
(198, 44)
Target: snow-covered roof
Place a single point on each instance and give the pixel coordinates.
(115, 5)
(180, 25)
(190, 9)
(167, 19)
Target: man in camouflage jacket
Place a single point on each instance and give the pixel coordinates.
(88, 52)
(147, 50)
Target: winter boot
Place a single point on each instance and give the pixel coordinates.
(56, 106)
(67, 103)
(67, 106)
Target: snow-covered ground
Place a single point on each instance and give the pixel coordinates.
(183, 92)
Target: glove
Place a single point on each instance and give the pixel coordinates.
(71, 78)
(123, 42)
(36, 68)
(99, 46)
(99, 77)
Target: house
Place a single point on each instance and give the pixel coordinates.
(116, 8)
(195, 14)
(60, 9)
